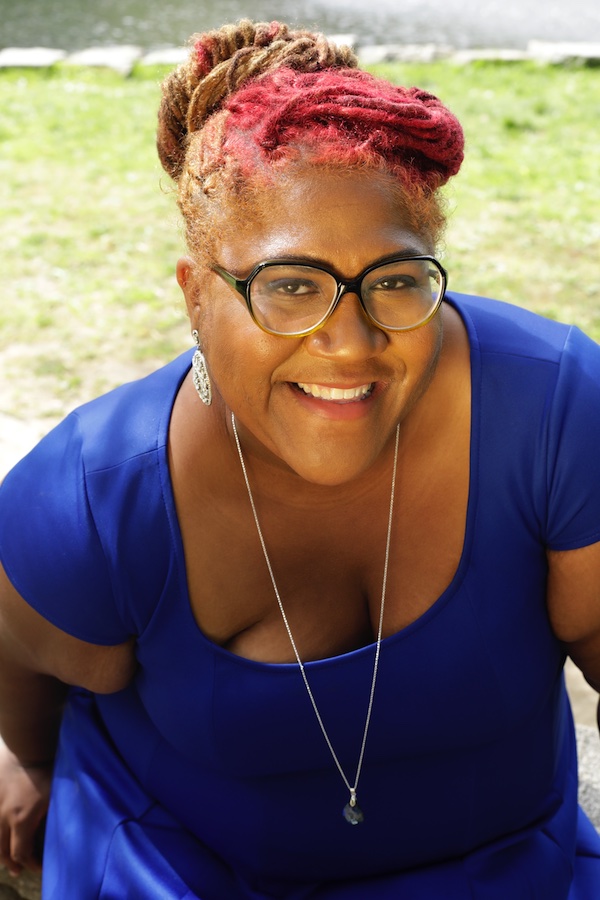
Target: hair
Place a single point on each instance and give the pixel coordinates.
(256, 102)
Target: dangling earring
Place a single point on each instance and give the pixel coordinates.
(200, 373)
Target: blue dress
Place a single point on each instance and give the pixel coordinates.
(208, 777)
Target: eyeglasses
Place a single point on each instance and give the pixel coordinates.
(292, 299)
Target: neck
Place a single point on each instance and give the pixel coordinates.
(273, 480)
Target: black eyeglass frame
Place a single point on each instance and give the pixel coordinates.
(344, 286)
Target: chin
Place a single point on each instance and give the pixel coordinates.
(330, 471)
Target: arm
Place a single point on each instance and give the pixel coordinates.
(30, 709)
(37, 662)
(574, 606)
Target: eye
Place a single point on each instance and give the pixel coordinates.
(394, 283)
(397, 279)
(291, 287)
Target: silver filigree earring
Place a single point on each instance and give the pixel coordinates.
(200, 373)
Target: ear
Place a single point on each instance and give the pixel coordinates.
(186, 272)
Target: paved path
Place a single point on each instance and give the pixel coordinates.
(123, 58)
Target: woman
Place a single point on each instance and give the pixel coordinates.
(300, 603)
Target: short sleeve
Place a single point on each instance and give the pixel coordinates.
(574, 447)
(49, 544)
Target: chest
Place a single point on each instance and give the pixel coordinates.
(328, 567)
(470, 683)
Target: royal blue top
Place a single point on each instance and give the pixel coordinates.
(209, 778)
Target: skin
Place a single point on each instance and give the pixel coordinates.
(320, 473)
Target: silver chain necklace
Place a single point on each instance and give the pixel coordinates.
(352, 811)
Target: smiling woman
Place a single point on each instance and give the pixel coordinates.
(334, 554)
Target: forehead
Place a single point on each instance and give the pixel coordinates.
(342, 219)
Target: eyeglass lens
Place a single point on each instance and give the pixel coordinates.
(294, 298)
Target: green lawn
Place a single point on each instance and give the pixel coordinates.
(90, 232)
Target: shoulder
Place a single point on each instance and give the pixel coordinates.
(539, 359)
(536, 389)
(114, 430)
(131, 420)
(84, 533)
(503, 328)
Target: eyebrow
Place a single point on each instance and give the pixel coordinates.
(404, 252)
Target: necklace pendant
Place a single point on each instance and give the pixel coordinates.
(353, 814)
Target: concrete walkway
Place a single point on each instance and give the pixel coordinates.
(124, 58)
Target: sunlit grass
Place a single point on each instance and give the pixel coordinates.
(90, 232)
(90, 238)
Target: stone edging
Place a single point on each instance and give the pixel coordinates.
(123, 58)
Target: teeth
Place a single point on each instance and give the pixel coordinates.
(331, 393)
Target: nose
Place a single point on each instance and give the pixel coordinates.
(348, 333)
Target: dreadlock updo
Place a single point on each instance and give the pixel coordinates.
(255, 101)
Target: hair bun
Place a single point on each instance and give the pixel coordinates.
(221, 61)
(222, 44)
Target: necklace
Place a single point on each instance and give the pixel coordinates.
(352, 811)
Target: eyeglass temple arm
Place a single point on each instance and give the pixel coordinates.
(238, 284)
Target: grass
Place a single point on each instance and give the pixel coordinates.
(90, 232)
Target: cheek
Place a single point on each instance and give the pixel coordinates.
(422, 357)
(242, 359)
(432, 347)
(429, 337)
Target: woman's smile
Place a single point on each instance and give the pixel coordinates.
(337, 394)
(335, 402)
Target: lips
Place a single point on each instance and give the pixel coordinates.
(337, 394)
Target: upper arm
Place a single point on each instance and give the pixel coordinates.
(574, 605)
(29, 642)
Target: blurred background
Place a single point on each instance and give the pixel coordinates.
(75, 24)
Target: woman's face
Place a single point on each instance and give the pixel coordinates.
(285, 392)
